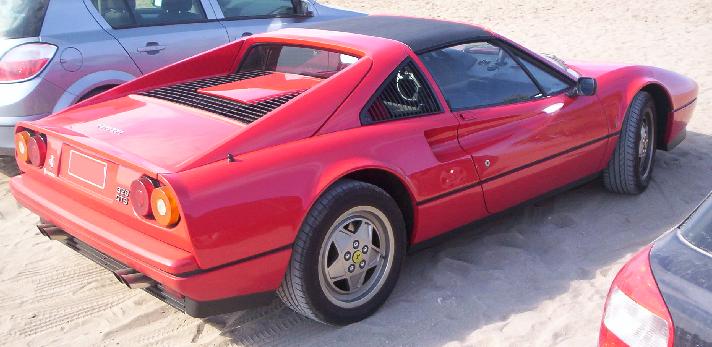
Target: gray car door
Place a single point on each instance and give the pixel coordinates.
(157, 33)
(247, 17)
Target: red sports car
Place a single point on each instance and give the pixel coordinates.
(306, 162)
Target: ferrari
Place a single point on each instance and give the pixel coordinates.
(307, 162)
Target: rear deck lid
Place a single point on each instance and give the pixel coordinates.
(153, 134)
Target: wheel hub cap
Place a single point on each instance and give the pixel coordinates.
(644, 141)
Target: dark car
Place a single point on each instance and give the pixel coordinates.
(663, 296)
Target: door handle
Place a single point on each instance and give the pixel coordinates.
(151, 48)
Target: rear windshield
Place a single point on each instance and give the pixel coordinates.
(296, 60)
(698, 228)
(21, 18)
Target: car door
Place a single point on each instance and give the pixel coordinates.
(248, 17)
(157, 33)
(414, 133)
(526, 136)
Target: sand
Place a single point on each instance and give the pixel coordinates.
(536, 277)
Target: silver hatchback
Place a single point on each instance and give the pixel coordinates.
(54, 53)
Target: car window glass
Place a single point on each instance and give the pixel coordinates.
(697, 230)
(479, 74)
(21, 18)
(550, 83)
(296, 60)
(252, 8)
(404, 94)
(130, 13)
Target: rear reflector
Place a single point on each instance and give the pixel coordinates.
(164, 206)
(141, 190)
(26, 61)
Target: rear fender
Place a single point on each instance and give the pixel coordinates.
(235, 210)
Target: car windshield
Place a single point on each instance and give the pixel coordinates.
(21, 18)
(296, 60)
(698, 228)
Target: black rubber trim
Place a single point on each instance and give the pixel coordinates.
(239, 261)
(685, 105)
(449, 193)
(202, 309)
(515, 170)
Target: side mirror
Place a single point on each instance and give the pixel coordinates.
(585, 86)
(301, 9)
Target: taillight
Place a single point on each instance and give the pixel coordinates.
(37, 150)
(164, 206)
(25, 61)
(141, 190)
(30, 148)
(635, 313)
(153, 201)
(21, 143)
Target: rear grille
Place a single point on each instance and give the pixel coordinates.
(187, 94)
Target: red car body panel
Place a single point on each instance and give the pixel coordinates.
(239, 217)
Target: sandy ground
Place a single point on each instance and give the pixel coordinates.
(537, 276)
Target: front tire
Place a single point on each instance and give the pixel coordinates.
(630, 169)
(347, 256)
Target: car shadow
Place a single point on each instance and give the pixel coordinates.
(507, 266)
(8, 166)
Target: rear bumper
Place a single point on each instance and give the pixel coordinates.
(198, 309)
(7, 132)
(202, 291)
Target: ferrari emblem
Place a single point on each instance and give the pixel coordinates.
(357, 257)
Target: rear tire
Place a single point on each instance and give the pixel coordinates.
(347, 256)
(630, 169)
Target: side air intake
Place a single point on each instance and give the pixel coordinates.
(187, 94)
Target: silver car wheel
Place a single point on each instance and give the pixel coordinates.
(645, 143)
(356, 256)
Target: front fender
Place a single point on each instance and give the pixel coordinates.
(618, 87)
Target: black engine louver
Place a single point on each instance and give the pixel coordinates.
(187, 94)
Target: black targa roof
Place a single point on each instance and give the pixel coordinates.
(420, 34)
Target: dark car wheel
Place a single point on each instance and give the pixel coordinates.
(631, 166)
(347, 256)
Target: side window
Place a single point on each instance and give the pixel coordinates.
(479, 74)
(131, 13)
(252, 8)
(550, 83)
(404, 94)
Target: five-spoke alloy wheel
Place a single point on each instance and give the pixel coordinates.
(356, 254)
(347, 256)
